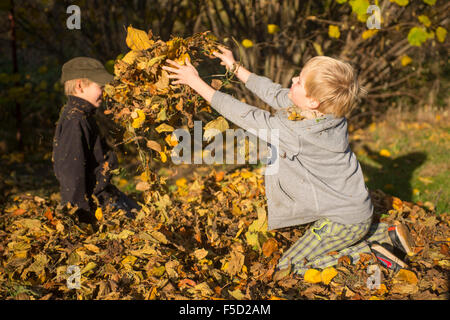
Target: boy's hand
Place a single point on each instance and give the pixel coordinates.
(186, 74)
(226, 56)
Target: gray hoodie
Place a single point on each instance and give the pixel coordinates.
(318, 176)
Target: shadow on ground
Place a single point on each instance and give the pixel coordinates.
(394, 174)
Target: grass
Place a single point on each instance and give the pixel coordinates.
(406, 155)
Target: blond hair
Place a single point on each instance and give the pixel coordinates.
(70, 85)
(333, 83)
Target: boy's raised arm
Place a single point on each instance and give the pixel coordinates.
(268, 91)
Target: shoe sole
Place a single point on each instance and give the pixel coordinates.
(404, 237)
(388, 255)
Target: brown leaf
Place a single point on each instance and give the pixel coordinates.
(154, 145)
(216, 84)
(18, 212)
(344, 260)
(269, 247)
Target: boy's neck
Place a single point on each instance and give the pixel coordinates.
(311, 114)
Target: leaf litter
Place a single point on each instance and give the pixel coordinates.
(206, 236)
(189, 245)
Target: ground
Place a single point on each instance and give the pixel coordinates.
(205, 237)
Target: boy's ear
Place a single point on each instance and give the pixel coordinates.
(313, 103)
(78, 86)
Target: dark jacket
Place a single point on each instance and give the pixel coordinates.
(81, 158)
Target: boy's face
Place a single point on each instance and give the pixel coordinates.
(299, 96)
(91, 93)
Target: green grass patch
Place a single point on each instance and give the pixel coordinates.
(407, 159)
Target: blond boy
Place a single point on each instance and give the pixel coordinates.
(319, 180)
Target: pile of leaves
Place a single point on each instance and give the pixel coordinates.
(206, 239)
(144, 103)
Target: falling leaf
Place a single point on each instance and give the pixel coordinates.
(213, 127)
(181, 60)
(129, 58)
(143, 186)
(216, 84)
(137, 39)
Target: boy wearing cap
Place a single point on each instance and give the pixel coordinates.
(81, 158)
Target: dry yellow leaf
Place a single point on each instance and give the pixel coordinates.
(385, 153)
(138, 39)
(154, 145)
(369, 33)
(181, 182)
(163, 157)
(328, 274)
(211, 128)
(182, 58)
(164, 128)
(333, 31)
(313, 276)
(171, 141)
(138, 118)
(99, 214)
(406, 276)
(406, 60)
(131, 56)
(247, 43)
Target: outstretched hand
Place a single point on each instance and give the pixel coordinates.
(226, 56)
(186, 74)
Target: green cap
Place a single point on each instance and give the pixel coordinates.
(84, 67)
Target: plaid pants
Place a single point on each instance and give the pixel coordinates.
(324, 236)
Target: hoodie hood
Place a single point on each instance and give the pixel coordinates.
(325, 132)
